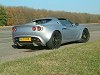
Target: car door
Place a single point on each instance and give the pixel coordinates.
(69, 31)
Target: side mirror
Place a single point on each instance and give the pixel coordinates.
(77, 24)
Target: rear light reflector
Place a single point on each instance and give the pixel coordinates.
(33, 28)
(14, 29)
(39, 28)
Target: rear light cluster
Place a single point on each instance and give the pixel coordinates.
(38, 28)
(14, 29)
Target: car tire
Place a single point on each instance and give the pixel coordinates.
(85, 36)
(55, 41)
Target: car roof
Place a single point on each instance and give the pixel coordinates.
(61, 19)
(53, 18)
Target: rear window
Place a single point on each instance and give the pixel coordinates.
(42, 21)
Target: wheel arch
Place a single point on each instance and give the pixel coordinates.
(81, 31)
(49, 43)
(59, 32)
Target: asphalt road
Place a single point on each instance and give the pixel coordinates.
(7, 52)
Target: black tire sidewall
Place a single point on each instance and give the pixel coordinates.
(87, 34)
(50, 44)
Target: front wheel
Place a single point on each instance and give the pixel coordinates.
(85, 36)
(55, 41)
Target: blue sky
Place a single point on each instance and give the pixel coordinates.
(82, 6)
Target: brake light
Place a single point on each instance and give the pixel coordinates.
(14, 29)
(39, 28)
(33, 28)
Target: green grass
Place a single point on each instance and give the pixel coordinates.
(83, 59)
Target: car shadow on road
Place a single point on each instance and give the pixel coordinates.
(69, 43)
(32, 48)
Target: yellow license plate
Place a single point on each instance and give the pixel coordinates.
(25, 39)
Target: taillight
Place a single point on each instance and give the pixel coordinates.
(33, 28)
(14, 29)
(38, 28)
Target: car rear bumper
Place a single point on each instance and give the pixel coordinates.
(34, 40)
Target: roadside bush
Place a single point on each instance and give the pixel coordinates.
(3, 16)
(10, 16)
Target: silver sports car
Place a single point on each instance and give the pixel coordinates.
(50, 32)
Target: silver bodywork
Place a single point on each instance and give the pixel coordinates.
(69, 33)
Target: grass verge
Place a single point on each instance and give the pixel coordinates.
(83, 59)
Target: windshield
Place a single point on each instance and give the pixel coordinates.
(41, 21)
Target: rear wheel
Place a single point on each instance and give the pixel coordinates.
(85, 36)
(55, 41)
